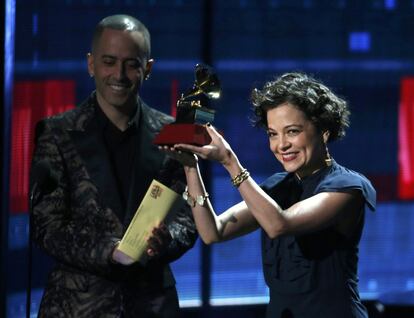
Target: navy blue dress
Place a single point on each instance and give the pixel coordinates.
(315, 274)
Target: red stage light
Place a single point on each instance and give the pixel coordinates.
(406, 140)
(32, 101)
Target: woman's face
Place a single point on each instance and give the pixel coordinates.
(295, 141)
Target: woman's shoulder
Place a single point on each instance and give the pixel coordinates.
(273, 180)
(340, 178)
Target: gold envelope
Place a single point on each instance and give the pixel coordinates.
(157, 202)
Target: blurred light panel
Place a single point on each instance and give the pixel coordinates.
(386, 267)
(187, 275)
(406, 140)
(18, 231)
(16, 304)
(35, 24)
(390, 4)
(359, 41)
(32, 101)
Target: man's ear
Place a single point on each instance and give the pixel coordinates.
(325, 136)
(91, 67)
(148, 68)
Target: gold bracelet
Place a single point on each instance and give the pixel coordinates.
(242, 176)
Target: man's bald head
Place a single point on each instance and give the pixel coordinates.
(122, 22)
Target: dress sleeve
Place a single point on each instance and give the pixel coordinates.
(342, 179)
(274, 180)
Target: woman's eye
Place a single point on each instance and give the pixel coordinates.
(271, 134)
(293, 132)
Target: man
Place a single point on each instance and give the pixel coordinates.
(104, 160)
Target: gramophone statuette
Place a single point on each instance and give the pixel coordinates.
(191, 114)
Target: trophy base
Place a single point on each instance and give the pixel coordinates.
(193, 134)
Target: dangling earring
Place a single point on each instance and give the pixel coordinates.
(90, 75)
(147, 77)
(328, 159)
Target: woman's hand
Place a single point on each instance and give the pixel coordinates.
(187, 159)
(218, 149)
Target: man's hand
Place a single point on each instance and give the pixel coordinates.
(121, 258)
(159, 241)
(157, 245)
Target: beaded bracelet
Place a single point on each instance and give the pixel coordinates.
(191, 201)
(242, 176)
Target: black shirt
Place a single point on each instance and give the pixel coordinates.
(121, 147)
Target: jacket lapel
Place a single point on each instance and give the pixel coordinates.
(89, 144)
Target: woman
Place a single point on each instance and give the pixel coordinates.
(312, 215)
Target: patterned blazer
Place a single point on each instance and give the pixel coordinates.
(77, 225)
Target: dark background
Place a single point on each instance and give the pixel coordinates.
(361, 49)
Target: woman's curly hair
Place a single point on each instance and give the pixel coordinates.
(318, 102)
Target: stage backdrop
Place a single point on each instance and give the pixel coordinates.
(362, 49)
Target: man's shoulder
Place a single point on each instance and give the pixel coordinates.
(155, 118)
(69, 119)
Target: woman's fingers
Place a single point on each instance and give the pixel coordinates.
(187, 147)
(214, 134)
(187, 158)
(204, 152)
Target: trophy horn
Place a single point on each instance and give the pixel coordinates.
(206, 82)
